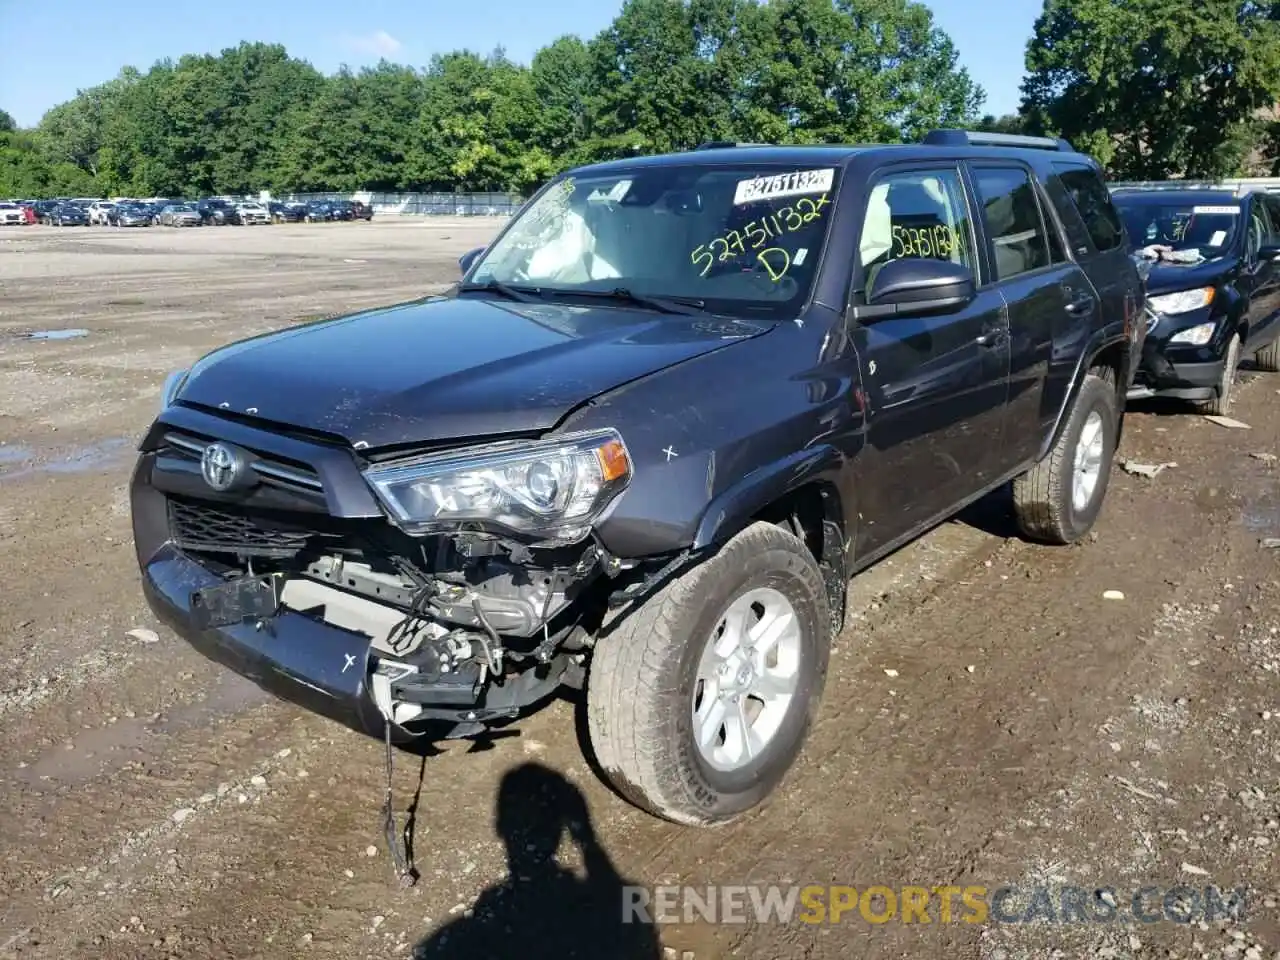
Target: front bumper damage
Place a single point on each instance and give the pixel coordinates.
(1177, 371)
(465, 633)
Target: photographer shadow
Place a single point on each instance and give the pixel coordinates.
(542, 909)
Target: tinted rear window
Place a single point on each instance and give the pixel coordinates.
(1091, 199)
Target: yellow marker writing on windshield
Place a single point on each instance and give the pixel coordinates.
(758, 232)
(777, 265)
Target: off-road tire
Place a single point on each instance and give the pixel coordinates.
(1042, 496)
(1268, 358)
(1221, 401)
(642, 677)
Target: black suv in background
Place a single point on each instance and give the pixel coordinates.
(343, 209)
(644, 444)
(215, 212)
(1214, 287)
(287, 211)
(318, 211)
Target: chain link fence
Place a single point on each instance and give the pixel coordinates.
(425, 204)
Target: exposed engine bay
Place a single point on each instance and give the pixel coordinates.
(463, 630)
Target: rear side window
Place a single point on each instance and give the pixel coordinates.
(1091, 199)
(1012, 216)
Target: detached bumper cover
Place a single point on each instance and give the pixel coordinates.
(313, 664)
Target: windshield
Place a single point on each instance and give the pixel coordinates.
(1208, 228)
(740, 238)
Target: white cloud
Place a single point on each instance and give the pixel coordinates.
(378, 44)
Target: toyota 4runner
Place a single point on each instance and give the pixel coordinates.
(643, 445)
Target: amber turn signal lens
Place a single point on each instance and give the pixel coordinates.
(613, 460)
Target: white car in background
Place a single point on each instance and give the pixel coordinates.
(98, 211)
(11, 215)
(249, 213)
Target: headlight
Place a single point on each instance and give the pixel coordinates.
(552, 489)
(1182, 302)
(1196, 336)
(172, 384)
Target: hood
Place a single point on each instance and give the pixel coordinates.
(448, 369)
(1168, 277)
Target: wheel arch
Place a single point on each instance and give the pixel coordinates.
(799, 493)
(1111, 354)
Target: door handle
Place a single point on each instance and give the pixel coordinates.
(989, 338)
(1081, 304)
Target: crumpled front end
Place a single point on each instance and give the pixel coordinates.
(291, 573)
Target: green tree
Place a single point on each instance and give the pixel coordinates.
(561, 83)
(1154, 88)
(856, 71)
(1006, 123)
(665, 75)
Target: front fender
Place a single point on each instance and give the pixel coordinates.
(733, 509)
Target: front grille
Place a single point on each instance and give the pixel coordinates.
(204, 527)
(273, 471)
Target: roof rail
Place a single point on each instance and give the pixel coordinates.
(1240, 187)
(727, 144)
(979, 138)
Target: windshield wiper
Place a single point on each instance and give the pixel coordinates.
(520, 294)
(686, 306)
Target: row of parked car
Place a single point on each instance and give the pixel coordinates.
(211, 211)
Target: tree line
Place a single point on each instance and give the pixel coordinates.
(1151, 87)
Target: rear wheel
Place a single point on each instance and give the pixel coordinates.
(700, 700)
(1221, 402)
(1058, 500)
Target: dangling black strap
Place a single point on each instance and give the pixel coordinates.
(405, 870)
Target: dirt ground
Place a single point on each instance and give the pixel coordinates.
(990, 719)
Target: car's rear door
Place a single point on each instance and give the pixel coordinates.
(1264, 273)
(935, 384)
(1052, 305)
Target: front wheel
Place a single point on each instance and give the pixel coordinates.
(700, 700)
(1058, 500)
(1221, 401)
(1268, 358)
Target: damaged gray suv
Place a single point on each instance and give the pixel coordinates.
(642, 446)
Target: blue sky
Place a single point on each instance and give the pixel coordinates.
(54, 47)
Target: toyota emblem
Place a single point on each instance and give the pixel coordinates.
(221, 468)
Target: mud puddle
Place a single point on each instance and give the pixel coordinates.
(73, 334)
(26, 462)
(1260, 502)
(123, 739)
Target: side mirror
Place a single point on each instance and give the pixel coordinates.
(467, 259)
(919, 285)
